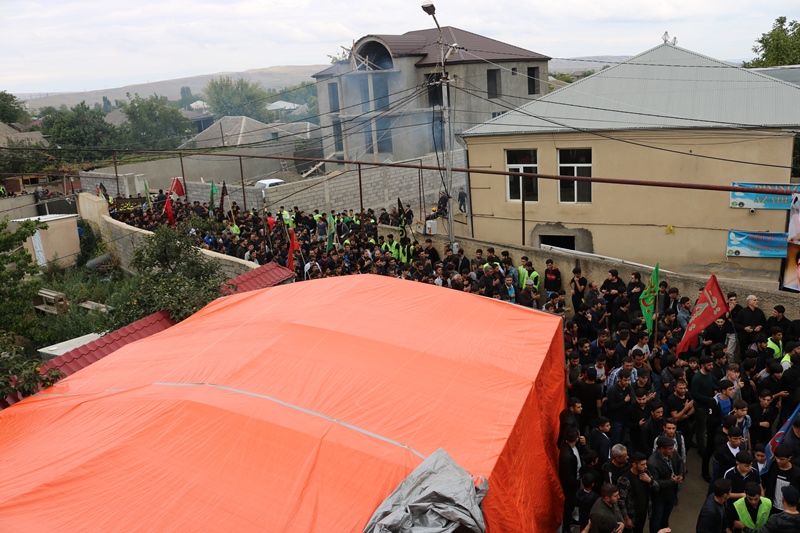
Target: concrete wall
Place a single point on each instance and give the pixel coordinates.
(123, 239)
(381, 187)
(595, 269)
(160, 172)
(18, 207)
(681, 229)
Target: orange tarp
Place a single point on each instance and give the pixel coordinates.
(295, 408)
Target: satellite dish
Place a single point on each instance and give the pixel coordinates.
(674, 41)
(665, 36)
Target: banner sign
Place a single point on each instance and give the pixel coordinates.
(129, 204)
(754, 244)
(790, 275)
(760, 200)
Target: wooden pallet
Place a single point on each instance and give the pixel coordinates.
(52, 302)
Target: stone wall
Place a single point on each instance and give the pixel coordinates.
(381, 186)
(596, 269)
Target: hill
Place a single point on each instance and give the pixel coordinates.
(584, 63)
(270, 78)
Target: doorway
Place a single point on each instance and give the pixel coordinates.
(560, 241)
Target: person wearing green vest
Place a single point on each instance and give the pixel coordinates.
(775, 342)
(753, 510)
(286, 217)
(522, 272)
(406, 251)
(391, 246)
(527, 272)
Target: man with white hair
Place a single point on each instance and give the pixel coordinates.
(750, 321)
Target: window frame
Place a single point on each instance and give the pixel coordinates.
(498, 88)
(575, 184)
(533, 80)
(333, 97)
(520, 167)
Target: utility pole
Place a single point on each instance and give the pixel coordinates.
(430, 9)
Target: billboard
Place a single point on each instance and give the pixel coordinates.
(760, 200)
(790, 276)
(756, 244)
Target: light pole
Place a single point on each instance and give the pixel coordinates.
(430, 9)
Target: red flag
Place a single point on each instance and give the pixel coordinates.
(168, 209)
(293, 247)
(710, 306)
(177, 187)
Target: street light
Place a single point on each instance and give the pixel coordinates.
(430, 9)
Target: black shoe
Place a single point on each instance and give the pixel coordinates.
(707, 478)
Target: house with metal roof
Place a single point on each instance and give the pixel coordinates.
(666, 115)
(383, 103)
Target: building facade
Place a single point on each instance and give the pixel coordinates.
(385, 102)
(667, 115)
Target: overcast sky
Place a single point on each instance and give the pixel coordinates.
(74, 45)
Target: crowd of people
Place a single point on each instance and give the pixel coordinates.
(636, 407)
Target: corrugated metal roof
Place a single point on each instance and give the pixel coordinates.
(790, 73)
(665, 87)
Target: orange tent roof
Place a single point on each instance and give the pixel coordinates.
(295, 408)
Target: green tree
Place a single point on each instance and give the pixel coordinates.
(154, 124)
(107, 106)
(173, 275)
(19, 280)
(19, 372)
(24, 161)
(229, 97)
(12, 109)
(187, 98)
(781, 46)
(79, 127)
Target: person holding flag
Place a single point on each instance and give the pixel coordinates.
(710, 306)
(647, 299)
(213, 192)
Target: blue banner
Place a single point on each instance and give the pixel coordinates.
(751, 244)
(760, 200)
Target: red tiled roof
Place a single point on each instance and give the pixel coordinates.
(85, 355)
(262, 277)
(78, 358)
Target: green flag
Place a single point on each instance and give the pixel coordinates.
(647, 300)
(147, 195)
(213, 192)
(402, 212)
(331, 232)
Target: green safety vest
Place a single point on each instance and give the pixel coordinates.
(393, 247)
(777, 349)
(744, 515)
(287, 219)
(406, 252)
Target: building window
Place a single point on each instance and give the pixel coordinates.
(368, 148)
(383, 129)
(363, 89)
(513, 71)
(338, 145)
(533, 80)
(522, 161)
(496, 114)
(274, 136)
(333, 97)
(380, 92)
(493, 82)
(434, 89)
(575, 162)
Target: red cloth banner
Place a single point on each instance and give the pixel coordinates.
(293, 247)
(177, 187)
(710, 306)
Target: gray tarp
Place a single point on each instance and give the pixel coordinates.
(437, 497)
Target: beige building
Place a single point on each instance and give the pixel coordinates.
(667, 115)
(60, 241)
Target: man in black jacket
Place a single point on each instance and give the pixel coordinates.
(569, 465)
(667, 469)
(635, 485)
(749, 322)
(713, 515)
